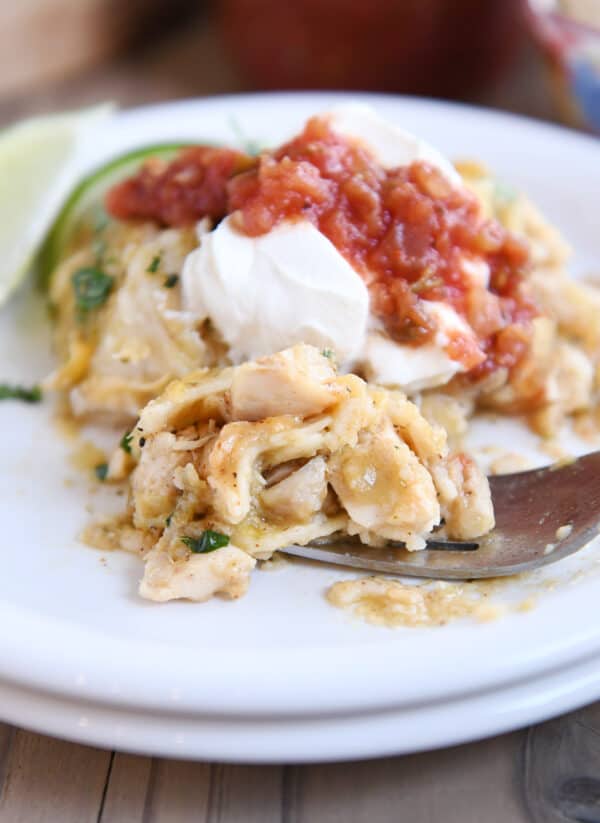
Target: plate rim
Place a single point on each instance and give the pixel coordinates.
(387, 732)
(17, 666)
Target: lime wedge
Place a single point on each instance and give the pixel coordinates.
(36, 159)
(83, 210)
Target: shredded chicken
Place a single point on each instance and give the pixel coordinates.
(300, 495)
(284, 450)
(559, 374)
(295, 381)
(384, 488)
(117, 360)
(197, 576)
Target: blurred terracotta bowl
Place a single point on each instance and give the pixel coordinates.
(440, 47)
(568, 32)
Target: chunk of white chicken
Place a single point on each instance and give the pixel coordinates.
(384, 488)
(571, 389)
(198, 397)
(574, 375)
(243, 449)
(574, 305)
(465, 498)
(153, 492)
(196, 576)
(427, 440)
(298, 496)
(298, 381)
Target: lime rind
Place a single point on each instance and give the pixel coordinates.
(37, 170)
(87, 196)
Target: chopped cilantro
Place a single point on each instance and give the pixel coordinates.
(171, 281)
(101, 471)
(209, 541)
(32, 395)
(328, 353)
(92, 287)
(125, 443)
(153, 267)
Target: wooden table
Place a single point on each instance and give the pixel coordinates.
(545, 774)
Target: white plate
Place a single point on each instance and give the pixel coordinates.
(279, 674)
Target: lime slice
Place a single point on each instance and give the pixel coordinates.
(36, 159)
(83, 210)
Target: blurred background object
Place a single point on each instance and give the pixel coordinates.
(431, 47)
(58, 54)
(569, 34)
(42, 41)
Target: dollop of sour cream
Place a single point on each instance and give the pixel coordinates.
(416, 368)
(266, 293)
(291, 285)
(391, 145)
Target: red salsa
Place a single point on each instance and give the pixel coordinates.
(407, 231)
(192, 186)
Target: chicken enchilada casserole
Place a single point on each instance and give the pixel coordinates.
(295, 341)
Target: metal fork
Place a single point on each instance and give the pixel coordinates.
(541, 516)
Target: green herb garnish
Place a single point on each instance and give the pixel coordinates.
(32, 395)
(153, 267)
(168, 520)
(328, 353)
(125, 442)
(101, 471)
(171, 281)
(208, 541)
(92, 287)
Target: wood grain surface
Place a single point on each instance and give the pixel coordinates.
(546, 774)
